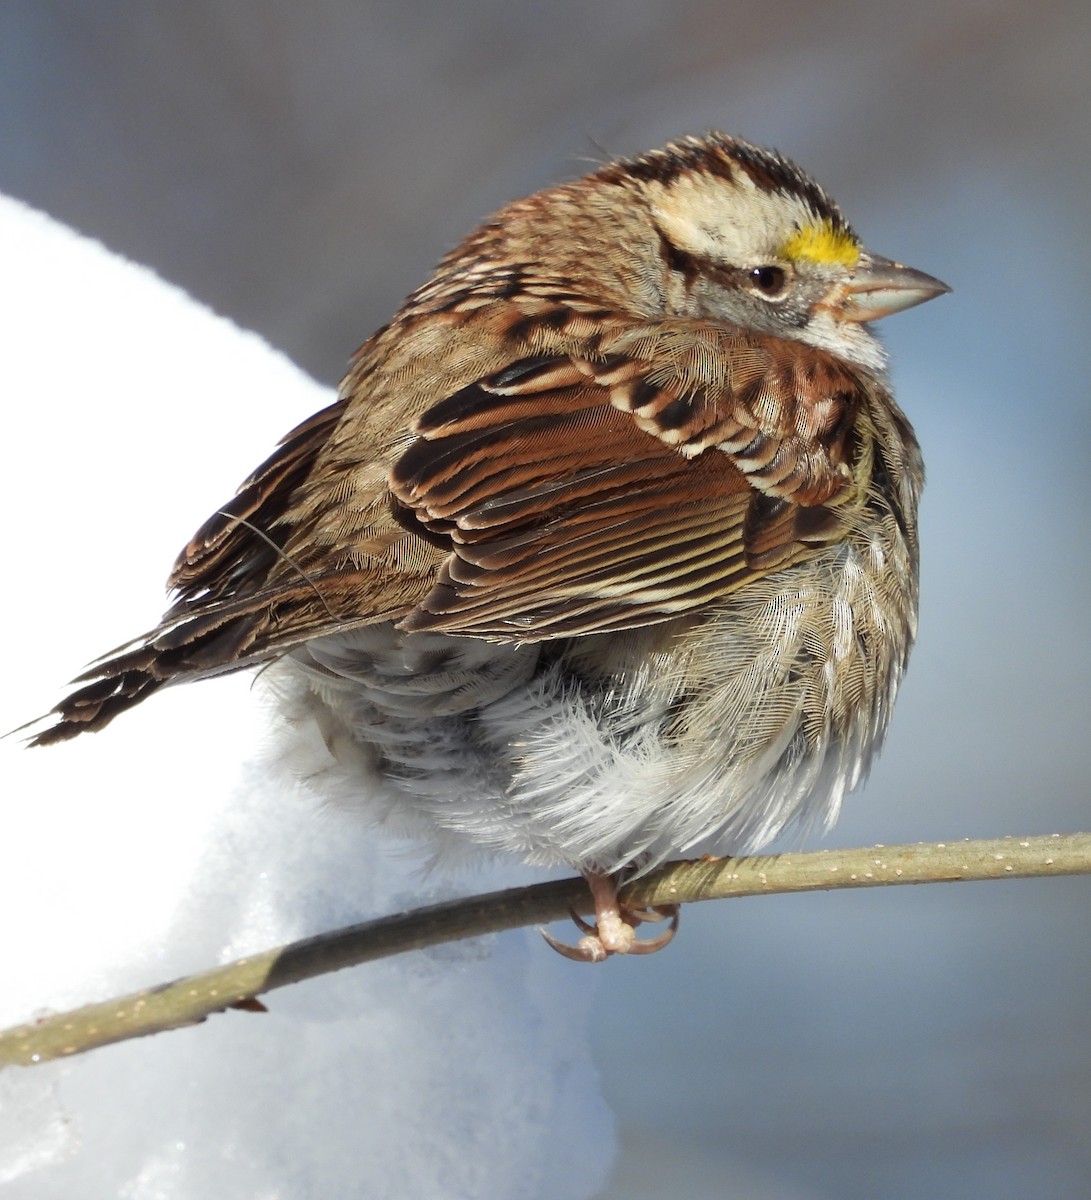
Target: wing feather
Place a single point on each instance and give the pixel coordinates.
(563, 494)
(584, 495)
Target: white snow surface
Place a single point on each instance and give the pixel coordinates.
(171, 841)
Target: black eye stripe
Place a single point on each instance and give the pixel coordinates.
(678, 261)
(768, 279)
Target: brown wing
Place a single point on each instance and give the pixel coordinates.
(561, 495)
(581, 496)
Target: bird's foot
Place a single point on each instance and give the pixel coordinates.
(614, 930)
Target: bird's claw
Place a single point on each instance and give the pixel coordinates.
(588, 949)
(614, 930)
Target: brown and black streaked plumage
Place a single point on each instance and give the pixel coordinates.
(608, 547)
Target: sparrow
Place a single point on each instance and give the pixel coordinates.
(607, 551)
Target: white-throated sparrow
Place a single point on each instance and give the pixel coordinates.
(607, 550)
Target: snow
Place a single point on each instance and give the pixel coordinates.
(172, 841)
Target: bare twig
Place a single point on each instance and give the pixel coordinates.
(190, 1000)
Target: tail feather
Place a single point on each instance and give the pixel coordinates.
(209, 643)
(94, 706)
(213, 639)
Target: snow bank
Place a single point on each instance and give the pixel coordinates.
(151, 849)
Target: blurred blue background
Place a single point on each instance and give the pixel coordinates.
(301, 167)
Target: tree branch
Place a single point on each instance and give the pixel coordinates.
(191, 999)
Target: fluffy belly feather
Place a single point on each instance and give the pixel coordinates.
(710, 734)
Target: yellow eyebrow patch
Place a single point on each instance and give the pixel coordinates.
(821, 243)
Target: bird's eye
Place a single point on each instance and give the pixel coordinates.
(769, 279)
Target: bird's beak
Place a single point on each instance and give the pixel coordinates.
(879, 287)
